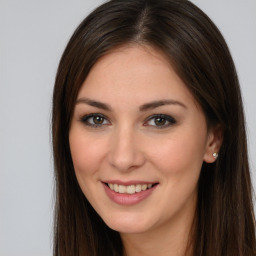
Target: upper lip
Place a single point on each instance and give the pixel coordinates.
(128, 183)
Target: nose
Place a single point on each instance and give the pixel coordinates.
(126, 150)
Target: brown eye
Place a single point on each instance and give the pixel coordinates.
(95, 120)
(159, 121)
(98, 120)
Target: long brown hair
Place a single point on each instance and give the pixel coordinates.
(196, 49)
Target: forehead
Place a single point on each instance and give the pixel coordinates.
(131, 71)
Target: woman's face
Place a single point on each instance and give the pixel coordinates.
(138, 140)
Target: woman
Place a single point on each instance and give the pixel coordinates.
(148, 137)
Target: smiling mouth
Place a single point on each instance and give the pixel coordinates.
(130, 189)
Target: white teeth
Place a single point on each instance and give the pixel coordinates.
(131, 189)
(150, 185)
(138, 188)
(144, 187)
(116, 188)
(122, 189)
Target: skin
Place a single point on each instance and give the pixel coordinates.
(129, 145)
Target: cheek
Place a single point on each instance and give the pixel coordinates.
(178, 159)
(86, 152)
(180, 153)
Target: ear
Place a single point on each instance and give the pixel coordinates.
(213, 144)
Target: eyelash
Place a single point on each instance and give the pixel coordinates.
(85, 119)
(166, 118)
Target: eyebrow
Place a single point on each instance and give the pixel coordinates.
(94, 103)
(159, 103)
(144, 107)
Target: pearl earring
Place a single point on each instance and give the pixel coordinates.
(215, 155)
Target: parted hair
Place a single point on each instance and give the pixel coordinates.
(224, 223)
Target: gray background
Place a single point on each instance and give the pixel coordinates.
(33, 36)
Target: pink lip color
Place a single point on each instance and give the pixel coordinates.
(128, 183)
(128, 199)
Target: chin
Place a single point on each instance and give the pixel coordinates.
(128, 229)
(128, 224)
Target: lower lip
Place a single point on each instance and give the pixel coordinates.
(128, 199)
